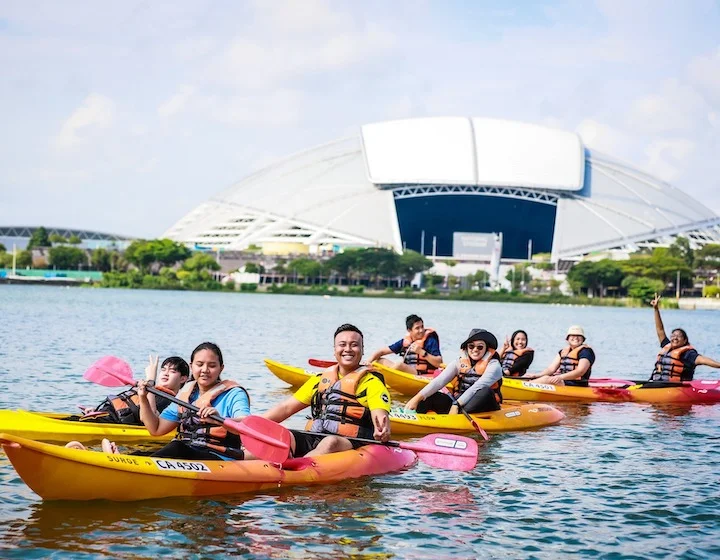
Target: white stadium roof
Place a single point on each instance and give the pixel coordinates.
(344, 193)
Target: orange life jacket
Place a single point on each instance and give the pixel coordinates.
(569, 360)
(194, 432)
(414, 359)
(124, 408)
(335, 406)
(670, 368)
(509, 359)
(469, 374)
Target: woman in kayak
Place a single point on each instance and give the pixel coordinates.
(476, 379)
(124, 408)
(198, 436)
(677, 359)
(572, 365)
(515, 355)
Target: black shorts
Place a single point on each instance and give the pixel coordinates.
(305, 442)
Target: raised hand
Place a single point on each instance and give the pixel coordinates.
(152, 367)
(655, 301)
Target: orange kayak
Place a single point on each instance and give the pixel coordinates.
(54, 472)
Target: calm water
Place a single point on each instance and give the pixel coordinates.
(611, 481)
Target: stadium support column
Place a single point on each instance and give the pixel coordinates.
(422, 242)
(495, 260)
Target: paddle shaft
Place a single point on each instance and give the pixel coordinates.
(228, 423)
(420, 447)
(470, 419)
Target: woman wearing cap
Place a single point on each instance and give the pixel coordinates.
(476, 378)
(515, 354)
(572, 365)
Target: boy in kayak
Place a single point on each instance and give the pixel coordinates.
(124, 408)
(345, 400)
(677, 359)
(420, 349)
(572, 365)
(476, 378)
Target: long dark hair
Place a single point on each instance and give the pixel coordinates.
(512, 338)
(207, 346)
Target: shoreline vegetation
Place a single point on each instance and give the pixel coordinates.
(372, 272)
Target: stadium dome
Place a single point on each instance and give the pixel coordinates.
(400, 184)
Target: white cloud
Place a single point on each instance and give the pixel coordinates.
(177, 102)
(96, 111)
(667, 158)
(704, 73)
(280, 108)
(676, 108)
(604, 138)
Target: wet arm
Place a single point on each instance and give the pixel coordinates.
(705, 361)
(493, 374)
(379, 354)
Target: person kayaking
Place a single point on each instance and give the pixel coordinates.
(420, 349)
(515, 355)
(124, 408)
(572, 365)
(198, 437)
(677, 359)
(345, 400)
(476, 378)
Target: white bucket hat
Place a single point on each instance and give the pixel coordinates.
(575, 329)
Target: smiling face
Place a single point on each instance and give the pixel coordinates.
(348, 350)
(575, 340)
(170, 378)
(520, 341)
(476, 349)
(417, 331)
(677, 339)
(206, 368)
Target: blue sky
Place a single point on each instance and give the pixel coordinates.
(123, 116)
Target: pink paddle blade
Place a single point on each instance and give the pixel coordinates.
(110, 372)
(445, 451)
(263, 438)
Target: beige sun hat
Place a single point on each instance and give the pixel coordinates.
(575, 329)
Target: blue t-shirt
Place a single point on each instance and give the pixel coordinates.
(231, 404)
(431, 346)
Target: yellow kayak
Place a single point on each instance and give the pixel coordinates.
(54, 472)
(48, 426)
(291, 375)
(509, 418)
(401, 382)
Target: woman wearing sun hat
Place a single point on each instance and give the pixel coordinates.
(476, 378)
(572, 365)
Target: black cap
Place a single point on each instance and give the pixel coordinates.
(481, 334)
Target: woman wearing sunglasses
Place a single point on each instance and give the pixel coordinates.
(475, 377)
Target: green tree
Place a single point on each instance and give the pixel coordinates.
(411, 263)
(595, 276)
(643, 289)
(2, 248)
(144, 254)
(518, 275)
(305, 268)
(708, 257)
(681, 249)
(64, 257)
(101, 260)
(253, 268)
(377, 262)
(39, 238)
(200, 262)
(57, 238)
(23, 259)
(345, 263)
(660, 265)
(74, 240)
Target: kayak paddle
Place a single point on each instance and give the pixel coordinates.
(470, 419)
(264, 438)
(321, 363)
(445, 451)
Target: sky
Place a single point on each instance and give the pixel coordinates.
(123, 116)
